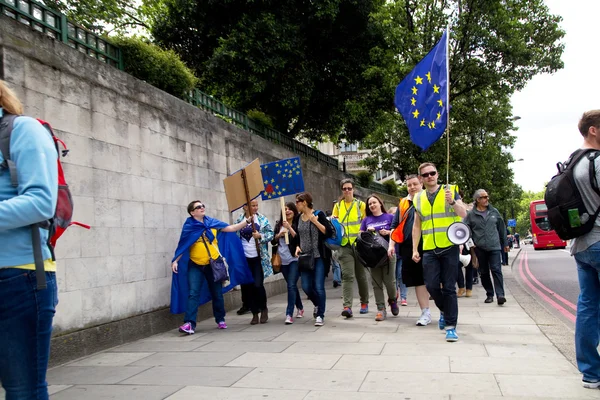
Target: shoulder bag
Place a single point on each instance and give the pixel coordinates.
(219, 266)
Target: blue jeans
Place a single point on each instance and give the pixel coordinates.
(291, 273)
(337, 271)
(399, 283)
(587, 330)
(440, 267)
(199, 277)
(490, 260)
(313, 284)
(25, 329)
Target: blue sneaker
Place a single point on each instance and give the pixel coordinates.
(442, 322)
(451, 335)
(364, 308)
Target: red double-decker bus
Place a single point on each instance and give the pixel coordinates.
(544, 236)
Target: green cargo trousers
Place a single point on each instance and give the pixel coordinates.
(351, 268)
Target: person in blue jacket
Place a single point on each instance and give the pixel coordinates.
(26, 313)
(203, 237)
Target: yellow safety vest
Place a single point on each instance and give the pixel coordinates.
(351, 223)
(435, 219)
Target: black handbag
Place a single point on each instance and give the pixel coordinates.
(219, 265)
(306, 260)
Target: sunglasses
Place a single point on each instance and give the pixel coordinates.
(427, 174)
(347, 189)
(199, 207)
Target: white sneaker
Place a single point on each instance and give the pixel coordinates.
(424, 320)
(319, 321)
(289, 320)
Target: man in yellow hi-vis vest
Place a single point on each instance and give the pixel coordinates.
(350, 212)
(437, 208)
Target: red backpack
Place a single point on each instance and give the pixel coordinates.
(64, 205)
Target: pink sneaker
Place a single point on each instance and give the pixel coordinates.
(403, 302)
(289, 320)
(300, 314)
(222, 325)
(186, 328)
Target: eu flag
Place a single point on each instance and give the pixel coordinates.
(282, 178)
(422, 96)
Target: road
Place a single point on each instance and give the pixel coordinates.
(550, 276)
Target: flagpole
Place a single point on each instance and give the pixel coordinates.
(448, 106)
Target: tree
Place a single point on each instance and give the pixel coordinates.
(301, 62)
(496, 47)
(522, 210)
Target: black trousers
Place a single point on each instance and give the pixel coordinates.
(254, 295)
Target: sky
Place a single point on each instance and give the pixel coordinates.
(550, 106)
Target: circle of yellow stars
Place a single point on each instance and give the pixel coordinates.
(413, 102)
(286, 170)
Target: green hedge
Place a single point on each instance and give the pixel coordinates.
(160, 68)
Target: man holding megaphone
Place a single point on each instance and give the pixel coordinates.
(436, 209)
(489, 235)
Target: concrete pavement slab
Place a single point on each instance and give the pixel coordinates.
(520, 329)
(242, 336)
(191, 359)
(324, 336)
(174, 335)
(434, 349)
(301, 379)
(91, 375)
(319, 395)
(438, 383)
(212, 393)
(188, 376)
(109, 359)
(335, 348)
(243, 347)
(121, 392)
(522, 350)
(286, 360)
(394, 363)
(508, 338)
(530, 386)
(507, 365)
(150, 346)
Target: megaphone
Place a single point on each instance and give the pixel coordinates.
(464, 260)
(459, 233)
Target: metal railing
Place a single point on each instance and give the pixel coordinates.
(57, 26)
(209, 103)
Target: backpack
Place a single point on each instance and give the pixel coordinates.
(371, 249)
(567, 213)
(330, 241)
(64, 205)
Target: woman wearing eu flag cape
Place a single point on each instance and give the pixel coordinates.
(193, 281)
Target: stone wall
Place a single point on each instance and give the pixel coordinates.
(138, 156)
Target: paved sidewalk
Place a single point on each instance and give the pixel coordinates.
(501, 354)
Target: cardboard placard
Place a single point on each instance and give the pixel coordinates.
(235, 190)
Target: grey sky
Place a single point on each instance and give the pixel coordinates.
(551, 105)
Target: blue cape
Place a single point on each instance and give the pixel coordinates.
(230, 247)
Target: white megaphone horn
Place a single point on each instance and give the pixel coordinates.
(459, 233)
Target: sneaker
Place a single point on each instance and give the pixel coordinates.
(289, 320)
(451, 335)
(186, 328)
(364, 308)
(319, 321)
(347, 312)
(300, 314)
(461, 292)
(489, 299)
(336, 284)
(442, 322)
(501, 300)
(424, 320)
(394, 307)
(315, 311)
(403, 303)
(381, 315)
(222, 325)
(591, 385)
(243, 310)
(469, 293)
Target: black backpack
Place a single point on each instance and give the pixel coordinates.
(567, 213)
(371, 249)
